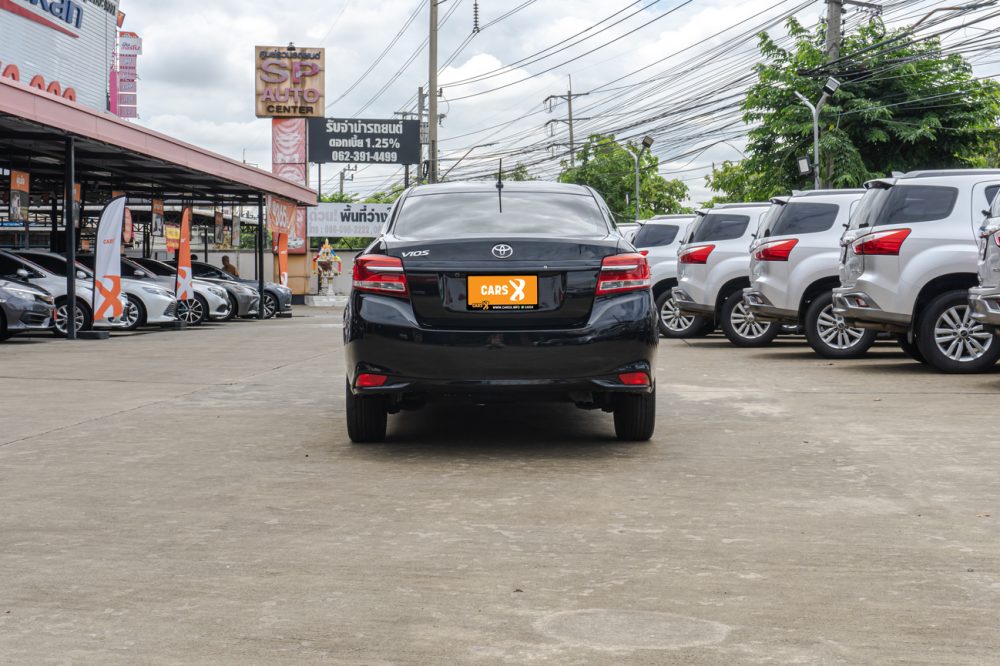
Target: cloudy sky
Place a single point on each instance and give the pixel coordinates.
(197, 68)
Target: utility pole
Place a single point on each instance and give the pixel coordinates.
(834, 25)
(421, 98)
(343, 175)
(432, 133)
(569, 119)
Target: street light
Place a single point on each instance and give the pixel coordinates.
(829, 89)
(647, 143)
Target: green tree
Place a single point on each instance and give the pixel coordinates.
(339, 197)
(519, 172)
(606, 166)
(901, 106)
(388, 196)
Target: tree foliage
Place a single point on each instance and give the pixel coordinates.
(605, 165)
(901, 106)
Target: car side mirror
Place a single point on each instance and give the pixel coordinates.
(80, 275)
(139, 274)
(23, 274)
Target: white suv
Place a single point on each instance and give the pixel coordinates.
(795, 266)
(714, 269)
(909, 259)
(985, 299)
(658, 239)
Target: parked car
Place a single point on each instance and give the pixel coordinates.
(23, 307)
(210, 301)
(483, 291)
(53, 280)
(908, 261)
(658, 239)
(276, 298)
(714, 269)
(795, 266)
(148, 302)
(984, 300)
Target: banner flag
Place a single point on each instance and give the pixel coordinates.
(283, 259)
(185, 285)
(108, 261)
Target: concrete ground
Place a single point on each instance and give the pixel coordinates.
(191, 497)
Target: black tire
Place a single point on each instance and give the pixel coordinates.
(84, 317)
(367, 417)
(829, 336)
(747, 332)
(970, 348)
(635, 416)
(234, 308)
(4, 333)
(140, 319)
(674, 325)
(270, 305)
(910, 348)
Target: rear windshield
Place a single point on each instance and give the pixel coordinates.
(798, 218)
(720, 227)
(433, 216)
(904, 204)
(656, 235)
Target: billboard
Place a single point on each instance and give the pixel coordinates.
(364, 141)
(125, 77)
(65, 48)
(20, 196)
(334, 220)
(290, 82)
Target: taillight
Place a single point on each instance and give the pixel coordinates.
(695, 255)
(634, 378)
(881, 242)
(775, 250)
(996, 239)
(644, 253)
(370, 380)
(380, 274)
(623, 272)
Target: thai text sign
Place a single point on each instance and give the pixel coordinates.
(291, 83)
(335, 220)
(364, 141)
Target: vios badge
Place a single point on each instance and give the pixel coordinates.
(502, 251)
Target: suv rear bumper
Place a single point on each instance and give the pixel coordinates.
(985, 305)
(860, 310)
(689, 307)
(764, 310)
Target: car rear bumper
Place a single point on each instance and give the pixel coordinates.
(860, 310)
(381, 336)
(985, 305)
(764, 310)
(687, 305)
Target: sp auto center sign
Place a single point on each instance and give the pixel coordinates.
(364, 141)
(290, 82)
(64, 47)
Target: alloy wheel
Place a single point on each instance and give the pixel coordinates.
(959, 336)
(62, 317)
(746, 324)
(131, 314)
(835, 332)
(672, 318)
(270, 306)
(190, 311)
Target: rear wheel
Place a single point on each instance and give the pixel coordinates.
(910, 348)
(830, 336)
(742, 327)
(135, 313)
(367, 417)
(951, 340)
(635, 416)
(673, 324)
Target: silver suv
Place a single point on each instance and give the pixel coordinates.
(985, 299)
(714, 269)
(658, 239)
(795, 266)
(908, 261)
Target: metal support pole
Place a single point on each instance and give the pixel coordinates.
(814, 108)
(341, 181)
(70, 238)
(406, 177)
(432, 128)
(53, 236)
(260, 254)
(635, 158)
(420, 119)
(319, 183)
(569, 104)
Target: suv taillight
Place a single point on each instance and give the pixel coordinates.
(695, 255)
(380, 274)
(775, 250)
(881, 242)
(623, 272)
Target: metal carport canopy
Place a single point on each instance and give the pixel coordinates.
(34, 125)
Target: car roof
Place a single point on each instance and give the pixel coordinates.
(491, 186)
(950, 173)
(823, 193)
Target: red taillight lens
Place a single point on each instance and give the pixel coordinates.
(623, 272)
(380, 274)
(634, 378)
(644, 253)
(775, 250)
(695, 255)
(369, 380)
(881, 242)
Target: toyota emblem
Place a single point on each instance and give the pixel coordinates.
(502, 251)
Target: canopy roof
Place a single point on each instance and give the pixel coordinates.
(117, 155)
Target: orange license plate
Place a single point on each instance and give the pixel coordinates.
(503, 292)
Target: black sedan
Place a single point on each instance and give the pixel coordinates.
(498, 291)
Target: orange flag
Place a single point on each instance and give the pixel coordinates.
(185, 285)
(283, 258)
